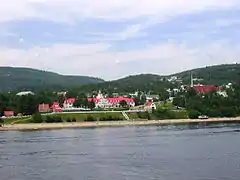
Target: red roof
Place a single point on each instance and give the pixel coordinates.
(70, 100)
(113, 100)
(43, 107)
(148, 104)
(8, 113)
(204, 89)
(55, 105)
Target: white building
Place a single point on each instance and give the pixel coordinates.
(25, 93)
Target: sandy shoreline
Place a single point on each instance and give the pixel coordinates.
(52, 126)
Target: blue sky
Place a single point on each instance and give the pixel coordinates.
(112, 40)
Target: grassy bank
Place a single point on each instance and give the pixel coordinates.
(77, 117)
(92, 117)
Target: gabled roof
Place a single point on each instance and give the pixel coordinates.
(113, 100)
(70, 100)
(204, 89)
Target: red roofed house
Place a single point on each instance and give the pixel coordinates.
(68, 103)
(43, 108)
(149, 105)
(8, 113)
(204, 89)
(55, 107)
(101, 102)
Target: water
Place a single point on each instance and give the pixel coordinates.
(129, 153)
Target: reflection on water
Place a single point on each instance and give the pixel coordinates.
(134, 153)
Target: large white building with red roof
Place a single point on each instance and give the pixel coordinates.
(68, 103)
(102, 102)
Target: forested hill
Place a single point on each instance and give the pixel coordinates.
(143, 82)
(30, 79)
(218, 75)
(214, 75)
(17, 79)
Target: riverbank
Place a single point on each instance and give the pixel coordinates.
(52, 126)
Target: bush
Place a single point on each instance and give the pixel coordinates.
(58, 119)
(37, 118)
(53, 119)
(90, 118)
(69, 120)
(144, 115)
(102, 119)
(228, 111)
(49, 119)
(74, 119)
(193, 114)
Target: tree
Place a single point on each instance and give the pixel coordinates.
(78, 102)
(85, 102)
(123, 103)
(92, 104)
(193, 114)
(27, 105)
(37, 118)
(72, 94)
(61, 100)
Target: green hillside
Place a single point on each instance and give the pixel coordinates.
(217, 75)
(143, 82)
(31, 79)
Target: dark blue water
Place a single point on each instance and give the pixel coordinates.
(129, 153)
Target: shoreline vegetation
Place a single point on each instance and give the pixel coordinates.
(98, 124)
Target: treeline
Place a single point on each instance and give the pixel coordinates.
(24, 105)
(28, 104)
(212, 104)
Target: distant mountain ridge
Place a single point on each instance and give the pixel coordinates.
(215, 75)
(13, 79)
(152, 83)
(17, 79)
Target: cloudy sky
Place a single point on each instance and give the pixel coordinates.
(112, 39)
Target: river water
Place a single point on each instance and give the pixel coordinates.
(126, 153)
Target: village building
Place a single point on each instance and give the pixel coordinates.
(68, 103)
(102, 102)
(43, 108)
(25, 93)
(149, 105)
(8, 113)
(205, 89)
(56, 107)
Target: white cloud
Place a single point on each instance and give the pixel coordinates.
(97, 60)
(71, 10)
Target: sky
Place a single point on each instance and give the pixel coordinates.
(117, 38)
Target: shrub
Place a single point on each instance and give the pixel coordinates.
(74, 119)
(102, 119)
(69, 120)
(144, 115)
(90, 118)
(228, 111)
(37, 118)
(193, 114)
(49, 119)
(53, 119)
